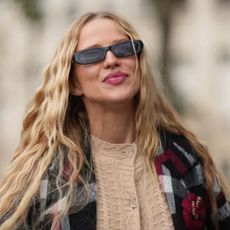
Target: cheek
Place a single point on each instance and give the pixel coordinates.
(87, 70)
(81, 71)
(85, 73)
(132, 64)
(87, 77)
(135, 70)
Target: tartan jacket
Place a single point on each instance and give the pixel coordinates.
(180, 174)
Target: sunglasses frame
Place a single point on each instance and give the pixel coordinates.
(138, 44)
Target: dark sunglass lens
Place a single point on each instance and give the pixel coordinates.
(138, 46)
(123, 49)
(90, 56)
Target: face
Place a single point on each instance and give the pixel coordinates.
(112, 81)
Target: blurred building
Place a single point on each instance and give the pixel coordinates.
(200, 71)
(200, 62)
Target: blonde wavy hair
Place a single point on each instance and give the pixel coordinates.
(56, 125)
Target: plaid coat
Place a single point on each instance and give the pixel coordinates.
(180, 174)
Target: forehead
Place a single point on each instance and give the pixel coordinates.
(100, 31)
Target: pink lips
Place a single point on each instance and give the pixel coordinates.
(115, 78)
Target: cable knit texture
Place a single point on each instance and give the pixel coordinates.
(127, 198)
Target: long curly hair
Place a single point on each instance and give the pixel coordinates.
(56, 126)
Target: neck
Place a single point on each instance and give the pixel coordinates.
(116, 125)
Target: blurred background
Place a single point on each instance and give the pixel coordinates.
(188, 41)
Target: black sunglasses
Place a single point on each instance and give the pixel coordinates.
(121, 49)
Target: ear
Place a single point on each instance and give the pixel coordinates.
(77, 91)
(75, 88)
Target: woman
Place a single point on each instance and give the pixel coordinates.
(102, 148)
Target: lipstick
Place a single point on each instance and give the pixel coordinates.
(115, 78)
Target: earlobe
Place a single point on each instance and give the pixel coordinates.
(75, 89)
(77, 92)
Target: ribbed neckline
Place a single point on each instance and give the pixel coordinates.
(119, 151)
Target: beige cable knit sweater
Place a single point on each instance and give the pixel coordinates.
(127, 199)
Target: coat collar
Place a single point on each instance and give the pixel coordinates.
(176, 154)
(179, 172)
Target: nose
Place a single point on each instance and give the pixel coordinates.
(111, 60)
